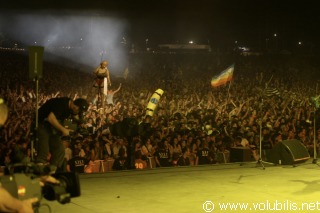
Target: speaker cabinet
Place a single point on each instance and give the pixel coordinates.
(240, 154)
(289, 152)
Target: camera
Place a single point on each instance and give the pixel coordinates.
(68, 187)
(76, 127)
(21, 181)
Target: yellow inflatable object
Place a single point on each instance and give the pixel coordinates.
(153, 102)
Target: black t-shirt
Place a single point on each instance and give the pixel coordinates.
(77, 164)
(204, 156)
(163, 157)
(58, 106)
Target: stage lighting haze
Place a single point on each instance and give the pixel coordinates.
(83, 37)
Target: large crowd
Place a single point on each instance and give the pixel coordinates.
(193, 123)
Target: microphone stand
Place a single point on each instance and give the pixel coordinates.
(260, 161)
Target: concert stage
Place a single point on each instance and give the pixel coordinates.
(186, 189)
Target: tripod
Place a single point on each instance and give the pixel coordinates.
(260, 161)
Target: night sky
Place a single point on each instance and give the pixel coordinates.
(218, 22)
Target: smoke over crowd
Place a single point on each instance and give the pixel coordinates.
(83, 37)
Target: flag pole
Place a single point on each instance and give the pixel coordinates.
(230, 82)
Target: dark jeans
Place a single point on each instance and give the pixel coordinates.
(49, 140)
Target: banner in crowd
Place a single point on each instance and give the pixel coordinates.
(225, 76)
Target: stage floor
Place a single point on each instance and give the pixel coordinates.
(213, 188)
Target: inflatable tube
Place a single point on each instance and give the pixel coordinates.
(153, 102)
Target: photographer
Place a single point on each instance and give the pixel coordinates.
(50, 129)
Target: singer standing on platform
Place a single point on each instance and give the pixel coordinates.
(102, 80)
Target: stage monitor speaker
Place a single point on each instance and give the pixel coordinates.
(289, 152)
(35, 61)
(240, 154)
